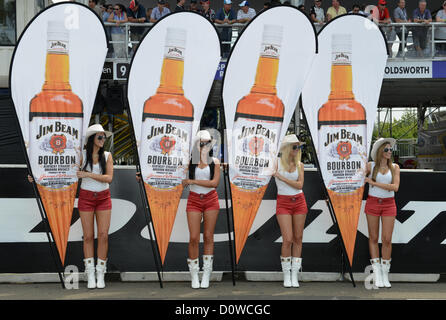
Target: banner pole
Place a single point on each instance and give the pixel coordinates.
(226, 175)
(327, 199)
(54, 255)
(147, 213)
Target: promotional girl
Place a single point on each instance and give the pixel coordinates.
(202, 204)
(96, 173)
(291, 209)
(383, 183)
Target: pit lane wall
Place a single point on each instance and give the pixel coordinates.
(419, 236)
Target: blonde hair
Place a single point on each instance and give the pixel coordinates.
(285, 157)
(379, 155)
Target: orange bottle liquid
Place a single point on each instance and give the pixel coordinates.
(256, 133)
(56, 115)
(165, 139)
(343, 143)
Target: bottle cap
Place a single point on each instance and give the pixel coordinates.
(57, 31)
(341, 42)
(176, 37)
(272, 34)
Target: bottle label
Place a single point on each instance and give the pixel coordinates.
(57, 46)
(341, 58)
(174, 52)
(255, 144)
(54, 150)
(270, 50)
(343, 156)
(164, 151)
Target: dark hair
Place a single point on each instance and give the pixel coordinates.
(193, 163)
(356, 6)
(89, 155)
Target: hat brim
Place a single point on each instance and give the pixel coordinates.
(379, 143)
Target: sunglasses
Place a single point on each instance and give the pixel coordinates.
(100, 138)
(388, 149)
(116, 8)
(296, 147)
(202, 144)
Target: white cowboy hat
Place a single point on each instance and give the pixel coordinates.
(378, 143)
(204, 135)
(96, 128)
(290, 139)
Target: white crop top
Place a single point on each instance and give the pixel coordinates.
(89, 183)
(381, 178)
(284, 188)
(201, 174)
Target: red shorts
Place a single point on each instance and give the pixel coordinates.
(291, 204)
(90, 201)
(380, 206)
(199, 202)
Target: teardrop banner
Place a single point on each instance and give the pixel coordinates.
(340, 101)
(169, 82)
(263, 80)
(54, 76)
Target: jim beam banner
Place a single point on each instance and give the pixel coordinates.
(55, 73)
(264, 77)
(169, 82)
(340, 101)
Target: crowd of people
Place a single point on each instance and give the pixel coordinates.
(227, 15)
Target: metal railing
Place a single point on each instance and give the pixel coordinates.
(405, 40)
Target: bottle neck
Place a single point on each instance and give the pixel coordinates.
(266, 75)
(57, 72)
(172, 76)
(341, 82)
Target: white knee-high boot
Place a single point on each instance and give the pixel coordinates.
(286, 269)
(296, 264)
(377, 273)
(207, 270)
(101, 269)
(89, 271)
(194, 268)
(385, 267)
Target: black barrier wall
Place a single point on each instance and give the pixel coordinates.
(419, 236)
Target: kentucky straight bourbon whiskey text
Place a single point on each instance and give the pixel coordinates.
(257, 124)
(343, 142)
(56, 116)
(165, 138)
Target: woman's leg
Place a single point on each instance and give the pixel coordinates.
(103, 223)
(386, 236)
(373, 227)
(193, 222)
(286, 228)
(210, 219)
(298, 231)
(87, 220)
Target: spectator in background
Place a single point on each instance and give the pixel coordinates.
(317, 14)
(226, 16)
(400, 16)
(356, 9)
(245, 13)
(93, 4)
(266, 5)
(180, 5)
(108, 11)
(118, 33)
(207, 12)
(136, 13)
(301, 7)
(440, 32)
(148, 14)
(159, 11)
(423, 16)
(194, 6)
(384, 18)
(335, 10)
(105, 15)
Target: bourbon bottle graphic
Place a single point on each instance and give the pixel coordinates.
(342, 140)
(55, 116)
(165, 139)
(257, 124)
